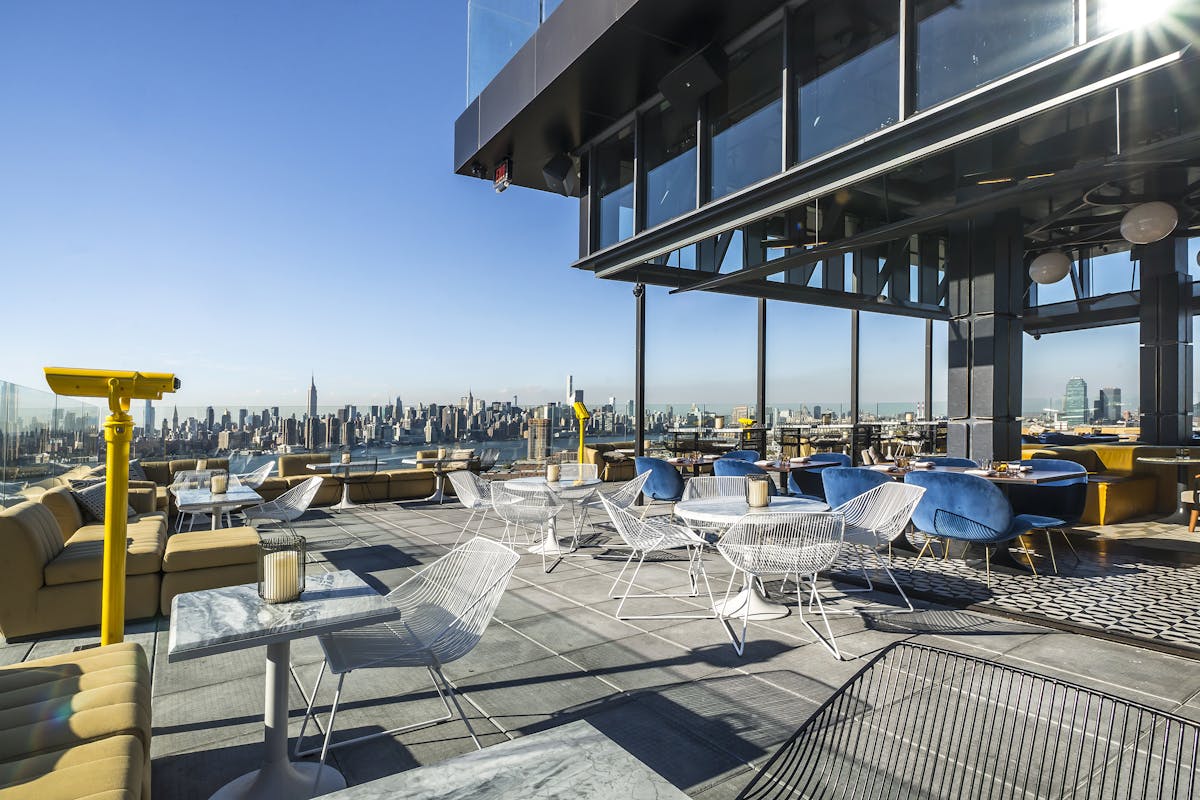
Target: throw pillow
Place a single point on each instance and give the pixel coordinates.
(83, 483)
(98, 472)
(136, 473)
(91, 500)
(201, 463)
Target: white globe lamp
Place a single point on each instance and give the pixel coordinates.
(1149, 222)
(1050, 267)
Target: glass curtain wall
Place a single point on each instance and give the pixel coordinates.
(746, 117)
(496, 29)
(962, 44)
(846, 58)
(613, 170)
(670, 147)
(42, 435)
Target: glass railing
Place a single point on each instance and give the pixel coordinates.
(43, 435)
(496, 30)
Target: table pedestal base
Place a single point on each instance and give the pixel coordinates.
(346, 502)
(760, 607)
(283, 782)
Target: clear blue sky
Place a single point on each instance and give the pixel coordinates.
(244, 192)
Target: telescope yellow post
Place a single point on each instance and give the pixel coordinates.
(120, 387)
(118, 433)
(581, 414)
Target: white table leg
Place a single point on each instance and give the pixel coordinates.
(549, 544)
(279, 778)
(760, 607)
(346, 502)
(216, 517)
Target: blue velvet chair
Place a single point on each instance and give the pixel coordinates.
(808, 481)
(969, 509)
(743, 455)
(951, 461)
(1061, 501)
(664, 483)
(842, 484)
(736, 467)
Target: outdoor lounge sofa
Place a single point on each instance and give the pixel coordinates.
(55, 560)
(76, 725)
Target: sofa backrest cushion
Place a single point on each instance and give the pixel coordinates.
(30, 539)
(297, 464)
(158, 471)
(61, 503)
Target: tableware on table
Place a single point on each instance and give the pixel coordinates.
(758, 493)
(553, 473)
(219, 483)
(281, 568)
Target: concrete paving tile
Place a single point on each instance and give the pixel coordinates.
(14, 653)
(197, 774)
(366, 761)
(529, 601)
(140, 631)
(500, 647)
(574, 628)
(534, 695)
(644, 661)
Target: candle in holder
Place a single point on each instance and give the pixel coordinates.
(281, 568)
(758, 494)
(219, 483)
(553, 472)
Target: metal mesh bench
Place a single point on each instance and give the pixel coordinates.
(920, 722)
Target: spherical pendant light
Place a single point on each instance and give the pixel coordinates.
(1149, 222)
(1050, 267)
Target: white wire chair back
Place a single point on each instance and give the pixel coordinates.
(715, 486)
(470, 489)
(519, 507)
(629, 492)
(883, 510)
(803, 542)
(640, 533)
(574, 471)
(447, 606)
(289, 505)
(257, 477)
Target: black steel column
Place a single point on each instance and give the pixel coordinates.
(854, 328)
(762, 363)
(639, 379)
(928, 370)
(1166, 343)
(985, 266)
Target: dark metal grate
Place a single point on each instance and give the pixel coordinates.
(920, 722)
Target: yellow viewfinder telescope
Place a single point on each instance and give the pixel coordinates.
(121, 387)
(581, 414)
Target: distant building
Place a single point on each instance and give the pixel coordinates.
(149, 422)
(539, 439)
(1075, 403)
(312, 398)
(1110, 404)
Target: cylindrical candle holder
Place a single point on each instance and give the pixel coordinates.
(553, 473)
(758, 492)
(281, 568)
(218, 483)
(346, 457)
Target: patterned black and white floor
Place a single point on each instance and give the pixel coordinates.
(1122, 596)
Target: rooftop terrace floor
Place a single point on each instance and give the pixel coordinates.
(671, 692)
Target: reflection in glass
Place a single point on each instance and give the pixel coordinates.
(670, 146)
(962, 44)
(747, 118)
(42, 435)
(613, 169)
(848, 74)
(496, 30)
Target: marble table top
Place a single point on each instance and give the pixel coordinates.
(235, 617)
(731, 509)
(237, 495)
(568, 489)
(571, 762)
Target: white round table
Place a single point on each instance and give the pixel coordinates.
(726, 511)
(574, 492)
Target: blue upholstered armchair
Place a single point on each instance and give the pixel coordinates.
(742, 455)
(1059, 504)
(664, 482)
(735, 467)
(808, 481)
(951, 461)
(970, 509)
(844, 483)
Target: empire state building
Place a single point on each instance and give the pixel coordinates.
(312, 399)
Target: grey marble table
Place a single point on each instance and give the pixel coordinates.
(570, 762)
(202, 499)
(234, 618)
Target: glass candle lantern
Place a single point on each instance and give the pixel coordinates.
(758, 492)
(345, 456)
(219, 483)
(553, 473)
(281, 568)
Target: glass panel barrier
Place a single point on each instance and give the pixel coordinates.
(496, 30)
(42, 435)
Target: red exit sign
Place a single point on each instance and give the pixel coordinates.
(503, 176)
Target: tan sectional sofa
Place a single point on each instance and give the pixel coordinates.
(76, 725)
(55, 563)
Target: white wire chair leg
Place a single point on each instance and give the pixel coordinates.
(695, 565)
(327, 745)
(831, 643)
(467, 524)
(739, 643)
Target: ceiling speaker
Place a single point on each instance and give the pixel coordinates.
(560, 175)
(694, 78)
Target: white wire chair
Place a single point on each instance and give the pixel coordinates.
(444, 610)
(289, 506)
(874, 519)
(522, 512)
(707, 486)
(573, 471)
(783, 543)
(258, 477)
(645, 536)
(581, 501)
(473, 492)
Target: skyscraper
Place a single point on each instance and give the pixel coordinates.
(149, 421)
(1075, 403)
(1110, 404)
(539, 438)
(312, 398)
